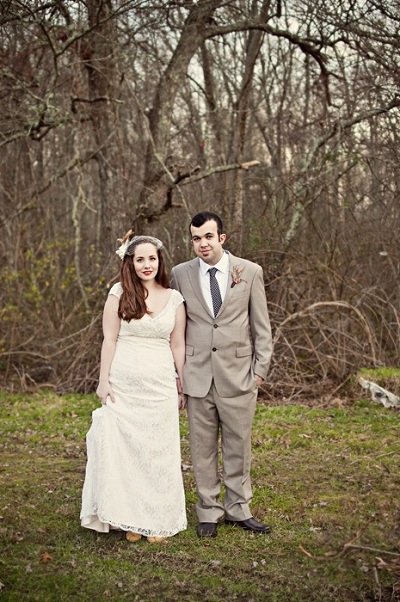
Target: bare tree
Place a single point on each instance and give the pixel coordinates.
(282, 116)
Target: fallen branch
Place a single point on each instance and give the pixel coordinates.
(349, 546)
(369, 549)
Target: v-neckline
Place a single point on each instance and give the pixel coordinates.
(152, 316)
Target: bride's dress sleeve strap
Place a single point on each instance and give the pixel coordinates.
(178, 299)
(116, 290)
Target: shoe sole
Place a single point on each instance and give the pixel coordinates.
(261, 531)
(207, 535)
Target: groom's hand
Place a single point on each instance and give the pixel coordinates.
(182, 401)
(259, 380)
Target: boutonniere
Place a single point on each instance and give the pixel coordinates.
(236, 279)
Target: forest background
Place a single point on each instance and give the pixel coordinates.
(280, 115)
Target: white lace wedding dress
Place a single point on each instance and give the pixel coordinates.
(133, 475)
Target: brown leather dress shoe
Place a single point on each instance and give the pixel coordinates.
(207, 529)
(250, 524)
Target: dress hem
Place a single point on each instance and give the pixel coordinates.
(96, 523)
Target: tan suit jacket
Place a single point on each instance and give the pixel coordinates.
(235, 345)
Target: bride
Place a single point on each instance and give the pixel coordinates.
(133, 478)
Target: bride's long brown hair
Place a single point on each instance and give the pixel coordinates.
(132, 304)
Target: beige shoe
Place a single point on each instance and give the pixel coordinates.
(156, 539)
(132, 537)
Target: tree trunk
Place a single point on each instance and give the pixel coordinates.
(104, 118)
(236, 215)
(160, 118)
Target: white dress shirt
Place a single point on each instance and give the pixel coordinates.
(222, 276)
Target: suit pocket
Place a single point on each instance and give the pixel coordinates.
(189, 350)
(244, 351)
(240, 292)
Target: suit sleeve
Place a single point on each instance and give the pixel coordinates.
(173, 279)
(260, 326)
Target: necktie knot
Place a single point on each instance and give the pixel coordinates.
(215, 292)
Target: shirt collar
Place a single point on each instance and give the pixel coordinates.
(222, 265)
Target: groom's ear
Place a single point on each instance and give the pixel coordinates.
(222, 238)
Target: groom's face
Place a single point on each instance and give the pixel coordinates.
(206, 242)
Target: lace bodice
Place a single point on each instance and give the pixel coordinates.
(158, 327)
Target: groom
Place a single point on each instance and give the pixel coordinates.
(228, 351)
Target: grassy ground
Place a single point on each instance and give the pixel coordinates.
(327, 480)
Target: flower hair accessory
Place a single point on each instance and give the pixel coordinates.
(127, 247)
(236, 279)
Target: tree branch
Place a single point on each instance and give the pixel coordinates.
(310, 46)
(220, 169)
(340, 126)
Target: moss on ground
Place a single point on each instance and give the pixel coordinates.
(326, 479)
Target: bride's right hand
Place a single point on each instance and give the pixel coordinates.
(104, 391)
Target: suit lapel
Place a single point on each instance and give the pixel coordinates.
(194, 279)
(229, 290)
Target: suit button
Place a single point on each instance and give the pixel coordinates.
(215, 325)
(214, 349)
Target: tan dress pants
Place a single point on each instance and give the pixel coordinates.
(232, 417)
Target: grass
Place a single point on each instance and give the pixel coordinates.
(326, 478)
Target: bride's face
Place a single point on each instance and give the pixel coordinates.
(145, 261)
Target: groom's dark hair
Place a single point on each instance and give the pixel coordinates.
(201, 218)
